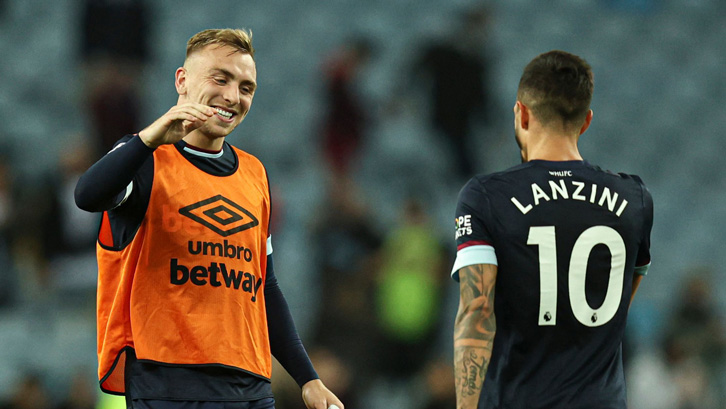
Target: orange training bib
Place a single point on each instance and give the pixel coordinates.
(188, 289)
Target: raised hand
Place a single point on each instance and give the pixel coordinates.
(175, 124)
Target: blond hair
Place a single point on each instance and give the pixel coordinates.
(239, 39)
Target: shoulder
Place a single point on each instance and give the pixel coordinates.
(632, 181)
(647, 198)
(625, 177)
(165, 150)
(635, 179)
(507, 174)
(488, 182)
(638, 181)
(251, 165)
(247, 159)
(478, 191)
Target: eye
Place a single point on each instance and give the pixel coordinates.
(220, 81)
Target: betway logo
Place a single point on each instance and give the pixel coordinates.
(210, 275)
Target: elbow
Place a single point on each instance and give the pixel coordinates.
(83, 198)
(80, 198)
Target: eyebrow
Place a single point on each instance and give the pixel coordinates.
(228, 74)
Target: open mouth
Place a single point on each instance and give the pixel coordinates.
(224, 114)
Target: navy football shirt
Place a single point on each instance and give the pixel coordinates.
(568, 238)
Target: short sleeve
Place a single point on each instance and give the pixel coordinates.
(642, 261)
(474, 244)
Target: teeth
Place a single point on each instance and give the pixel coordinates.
(223, 113)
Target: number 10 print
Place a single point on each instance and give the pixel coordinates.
(545, 238)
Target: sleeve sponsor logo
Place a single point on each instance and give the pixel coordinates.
(463, 226)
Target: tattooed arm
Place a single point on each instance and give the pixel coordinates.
(474, 332)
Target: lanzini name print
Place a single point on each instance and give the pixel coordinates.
(572, 190)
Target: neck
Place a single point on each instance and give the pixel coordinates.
(202, 141)
(552, 147)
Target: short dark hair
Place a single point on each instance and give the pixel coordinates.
(557, 86)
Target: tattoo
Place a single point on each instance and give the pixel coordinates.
(474, 332)
(475, 371)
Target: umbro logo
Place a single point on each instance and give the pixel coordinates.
(220, 215)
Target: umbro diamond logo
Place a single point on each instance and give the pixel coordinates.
(220, 215)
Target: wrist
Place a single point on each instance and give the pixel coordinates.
(313, 383)
(144, 138)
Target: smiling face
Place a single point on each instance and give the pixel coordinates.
(223, 78)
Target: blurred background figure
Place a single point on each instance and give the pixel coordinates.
(456, 69)
(696, 322)
(438, 385)
(81, 394)
(680, 378)
(8, 278)
(346, 245)
(30, 393)
(688, 364)
(346, 118)
(409, 292)
(696, 336)
(115, 48)
(69, 233)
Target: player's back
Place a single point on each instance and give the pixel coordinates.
(567, 237)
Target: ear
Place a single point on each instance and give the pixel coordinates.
(181, 81)
(521, 114)
(588, 120)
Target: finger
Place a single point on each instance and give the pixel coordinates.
(333, 400)
(189, 114)
(187, 123)
(189, 126)
(319, 404)
(201, 108)
(209, 111)
(204, 109)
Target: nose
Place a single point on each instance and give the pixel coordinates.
(232, 95)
